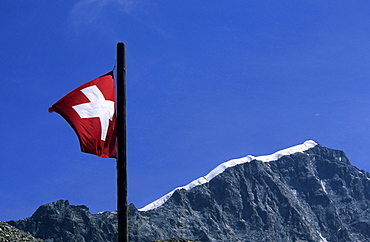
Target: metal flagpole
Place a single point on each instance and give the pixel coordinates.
(122, 211)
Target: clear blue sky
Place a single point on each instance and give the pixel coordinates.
(207, 81)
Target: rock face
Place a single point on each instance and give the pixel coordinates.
(315, 195)
(8, 233)
(60, 221)
(174, 240)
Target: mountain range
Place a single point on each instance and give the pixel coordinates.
(304, 193)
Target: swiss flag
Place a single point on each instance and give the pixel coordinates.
(91, 111)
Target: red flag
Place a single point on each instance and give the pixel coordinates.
(90, 110)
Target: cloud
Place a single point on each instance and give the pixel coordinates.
(97, 15)
(87, 13)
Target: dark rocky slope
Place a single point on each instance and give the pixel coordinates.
(315, 195)
(60, 221)
(9, 234)
(174, 240)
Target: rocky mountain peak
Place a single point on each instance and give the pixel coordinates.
(311, 195)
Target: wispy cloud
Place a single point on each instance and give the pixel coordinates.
(87, 13)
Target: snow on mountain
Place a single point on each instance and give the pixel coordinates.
(221, 168)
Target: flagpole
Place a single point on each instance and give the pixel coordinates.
(122, 211)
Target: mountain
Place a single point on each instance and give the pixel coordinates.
(9, 233)
(303, 193)
(60, 221)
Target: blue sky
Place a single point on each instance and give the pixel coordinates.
(207, 81)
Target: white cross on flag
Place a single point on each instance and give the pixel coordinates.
(90, 110)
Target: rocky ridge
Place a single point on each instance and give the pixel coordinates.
(9, 233)
(312, 195)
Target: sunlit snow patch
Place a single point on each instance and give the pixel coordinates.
(322, 238)
(323, 186)
(219, 169)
